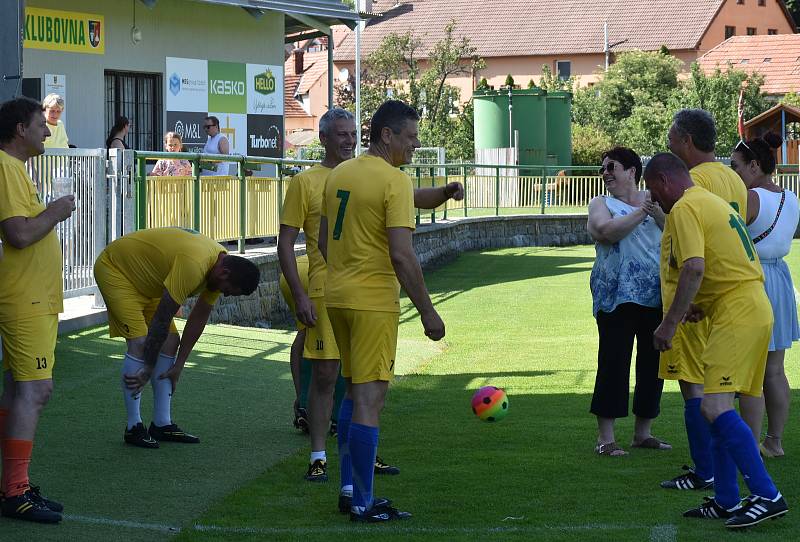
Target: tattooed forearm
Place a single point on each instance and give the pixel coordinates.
(159, 329)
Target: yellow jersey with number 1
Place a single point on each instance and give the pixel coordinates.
(704, 226)
(301, 209)
(363, 197)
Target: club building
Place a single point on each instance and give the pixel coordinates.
(166, 64)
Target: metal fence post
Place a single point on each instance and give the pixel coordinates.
(419, 185)
(466, 205)
(196, 196)
(242, 206)
(433, 185)
(544, 187)
(279, 167)
(141, 193)
(445, 193)
(101, 228)
(497, 191)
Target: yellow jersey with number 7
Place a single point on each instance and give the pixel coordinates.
(703, 225)
(363, 197)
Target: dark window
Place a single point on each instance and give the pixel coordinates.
(762, 2)
(137, 96)
(730, 31)
(32, 88)
(740, 2)
(772, 31)
(751, 31)
(563, 69)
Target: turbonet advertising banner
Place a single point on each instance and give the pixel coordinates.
(247, 99)
(66, 31)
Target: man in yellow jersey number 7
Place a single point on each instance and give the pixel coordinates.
(366, 236)
(301, 209)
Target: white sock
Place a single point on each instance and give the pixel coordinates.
(318, 455)
(162, 391)
(129, 366)
(347, 490)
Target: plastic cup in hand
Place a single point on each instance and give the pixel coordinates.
(62, 186)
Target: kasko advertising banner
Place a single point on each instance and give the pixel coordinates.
(246, 98)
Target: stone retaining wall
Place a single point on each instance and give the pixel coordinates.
(435, 245)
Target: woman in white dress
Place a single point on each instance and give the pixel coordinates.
(772, 217)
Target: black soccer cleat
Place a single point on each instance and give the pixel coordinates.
(301, 419)
(379, 513)
(688, 480)
(37, 497)
(317, 471)
(385, 468)
(172, 433)
(26, 507)
(709, 510)
(138, 436)
(756, 509)
(346, 502)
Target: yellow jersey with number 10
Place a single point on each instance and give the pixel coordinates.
(722, 181)
(363, 197)
(301, 209)
(703, 225)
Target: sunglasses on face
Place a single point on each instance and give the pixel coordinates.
(608, 168)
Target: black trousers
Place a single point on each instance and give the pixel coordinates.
(612, 384)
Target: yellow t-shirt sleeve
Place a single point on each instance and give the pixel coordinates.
(689, 238)
(399, 202)
(323, 208)
(295, 204)
(15, 195)
(184, 278)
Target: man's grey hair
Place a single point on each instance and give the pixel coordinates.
(699, 125)
(331, 116)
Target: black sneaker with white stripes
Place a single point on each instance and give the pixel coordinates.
(379, 513)
(756, 509)
(688, 480)
(710, 510)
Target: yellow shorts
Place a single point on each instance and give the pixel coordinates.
(684, 361)
(320, 341)
(735, 356)
(367, 343)
(29, 347)
(302, 270)
(129, 312)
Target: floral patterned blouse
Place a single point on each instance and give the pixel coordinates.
(172, 168)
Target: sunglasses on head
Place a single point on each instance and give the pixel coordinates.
(745, 145)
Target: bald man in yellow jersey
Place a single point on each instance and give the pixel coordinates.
(301, 209)
(692, 138)
(31, 274)
(719, 279)
(366, 235)
(145, 277)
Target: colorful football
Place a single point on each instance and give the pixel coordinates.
(490, 404)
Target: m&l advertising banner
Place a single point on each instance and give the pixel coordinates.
(66, 31)
(246, 98)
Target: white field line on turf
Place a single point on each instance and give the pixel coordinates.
(659, 533)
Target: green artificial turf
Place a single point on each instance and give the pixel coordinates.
(518, 319)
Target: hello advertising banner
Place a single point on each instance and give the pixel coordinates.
(247, 99)
(66, 31)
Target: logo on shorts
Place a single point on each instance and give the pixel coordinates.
(725, 381)
(127, 329)
(320, 345)
(672, 369)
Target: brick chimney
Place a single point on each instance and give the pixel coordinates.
(298, 61)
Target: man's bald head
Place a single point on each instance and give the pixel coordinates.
(667, 177)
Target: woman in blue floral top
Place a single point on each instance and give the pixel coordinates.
(626, 226)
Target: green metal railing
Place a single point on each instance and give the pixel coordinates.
(238, 207)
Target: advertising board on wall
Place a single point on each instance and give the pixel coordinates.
(247, 99)
(66, 31)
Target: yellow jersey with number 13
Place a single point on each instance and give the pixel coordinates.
(362, 198)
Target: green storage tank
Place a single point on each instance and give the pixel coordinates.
(530, 121)
(559, 128)
(491, 119)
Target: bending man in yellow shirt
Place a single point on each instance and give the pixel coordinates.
(719, 279)
(145, 277)
(32, 298)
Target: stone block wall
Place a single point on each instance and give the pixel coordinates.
(435, 245)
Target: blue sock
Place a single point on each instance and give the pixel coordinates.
(742, 447)
(726, 481)
(343, 439)
(699, 434)
(363, 448)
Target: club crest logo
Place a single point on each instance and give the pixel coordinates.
(174, 84)
(94, 33)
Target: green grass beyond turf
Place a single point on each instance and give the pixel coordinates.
(519, 319)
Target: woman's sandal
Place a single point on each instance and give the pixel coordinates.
(652, 443)
(610, 449)
(766, 452)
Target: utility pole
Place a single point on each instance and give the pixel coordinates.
(607, 46)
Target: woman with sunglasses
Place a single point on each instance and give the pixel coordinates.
(772, 217)
(626, 226)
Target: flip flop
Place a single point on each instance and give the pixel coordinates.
(765, 453)
(610, 449)
(652, 443)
